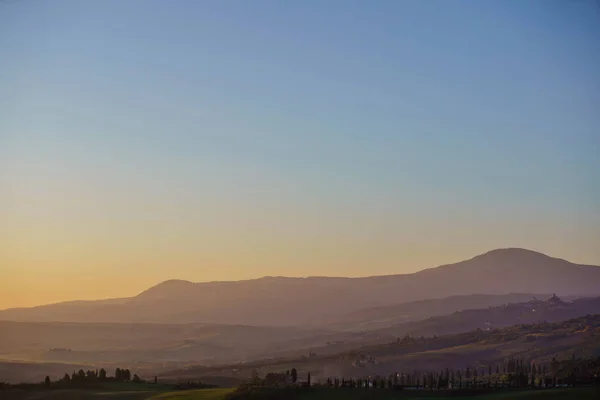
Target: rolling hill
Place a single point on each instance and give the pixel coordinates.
(534, 311)
(320, 300)
(387, 316)
(579, 337)
(155, 347)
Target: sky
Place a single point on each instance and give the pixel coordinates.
(149, 140)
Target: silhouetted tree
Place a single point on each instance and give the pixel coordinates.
(66, 378)
(47, 381)
(294, 375)
(308, 379)
(102, 374)
(118, 374)
(136, 378)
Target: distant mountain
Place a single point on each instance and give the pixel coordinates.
(319, 300)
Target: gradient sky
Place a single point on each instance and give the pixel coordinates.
(222, 140)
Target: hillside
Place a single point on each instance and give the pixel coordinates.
(387, 316)
(480, 349)
(156, 347)
(319, 300)
(529, 312)
(552, 310)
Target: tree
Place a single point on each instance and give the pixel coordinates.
(136, 378)
(294, 375)
(102, 374)
(47, 381)
(81, 375)
(118, 374)
(126, 375)
(66, 378)
(308, 379)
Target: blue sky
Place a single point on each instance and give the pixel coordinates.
(339, 137)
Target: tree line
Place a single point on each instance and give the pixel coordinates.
(513, 373)
(120, 375)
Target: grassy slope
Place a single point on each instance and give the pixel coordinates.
(351, 394)
(202, 394)
(301, 394)
(538, 341)
(119, 391)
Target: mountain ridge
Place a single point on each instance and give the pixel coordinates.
(317, 300)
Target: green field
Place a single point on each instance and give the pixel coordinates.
(294, 394)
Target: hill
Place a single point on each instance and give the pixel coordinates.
(533, 311)
(152, 348)
(319, 300)
(482, 349)
(159, 346)
(387, 316)
(484, 319)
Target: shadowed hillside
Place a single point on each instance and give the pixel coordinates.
(483, 349)
(318, 300)
(534, 311)
(386, 316)
(168, 346)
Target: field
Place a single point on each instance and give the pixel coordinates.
(111, 391)
(354, 394)
(291, 394)
(202, 394)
